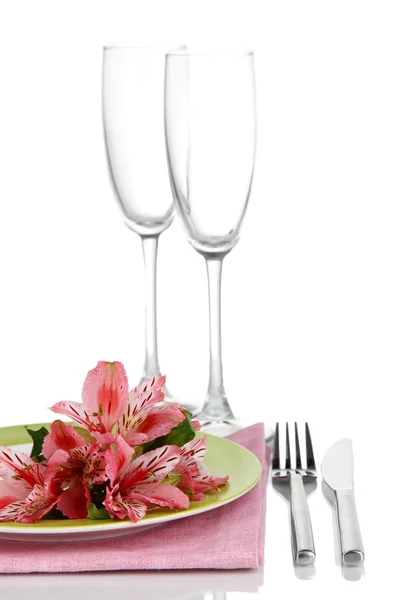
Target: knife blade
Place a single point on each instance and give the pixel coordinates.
(337, 472)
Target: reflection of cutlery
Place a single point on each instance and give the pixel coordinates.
(295, 484)
(337, 471)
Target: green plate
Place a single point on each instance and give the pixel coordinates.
(223, 457)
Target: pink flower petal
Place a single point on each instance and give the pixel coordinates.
(9, 494)
(73, 502)
(151, 383)
(161, 419)
(144, 400)
(163, 494)
(61, 437)
(196, 425)
(104, 439)
(105, 392)
(117, 458)
(77, 413)
(198, 496)
(188, 481)
(55, 472)
(136, 439)
(216, 482)
(205, 483)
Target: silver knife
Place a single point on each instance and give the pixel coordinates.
(337, 472)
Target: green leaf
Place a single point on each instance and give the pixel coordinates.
(96, 513)
(182, 433)
(38, 438)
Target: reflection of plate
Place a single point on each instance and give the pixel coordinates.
(156, 585)
(223, 457)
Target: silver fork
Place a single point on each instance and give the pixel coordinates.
(295, 483)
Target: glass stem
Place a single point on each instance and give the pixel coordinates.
(150, 252)
(216, 404)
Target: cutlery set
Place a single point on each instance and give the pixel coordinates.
(296, 481)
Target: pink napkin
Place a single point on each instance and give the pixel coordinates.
(230, 537)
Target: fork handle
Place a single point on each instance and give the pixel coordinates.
(301, 530)
(351, 544)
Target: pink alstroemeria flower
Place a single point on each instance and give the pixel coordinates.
(84, 461)
(104, 396)
(62, 436)
(145, 419)
(135, 484)
(32, 489)
(139, 416)
(195, 478)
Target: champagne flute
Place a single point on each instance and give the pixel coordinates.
(133, 104)
(210, 139)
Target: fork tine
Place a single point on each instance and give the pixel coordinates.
(297, 447)
(309, 448)
(287, 450)
(276, 452)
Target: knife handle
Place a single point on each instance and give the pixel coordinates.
(352, 551)
(301, 529)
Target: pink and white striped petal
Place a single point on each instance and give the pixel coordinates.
(77, 412)
(151, 467)
(38, 504)
(151, 383)
(139, 406)
(209, 482)
(91, 461)
(163, 494)
(13, 511)
(193, 452)
(136, 509)
(124, 507)
(17, 468)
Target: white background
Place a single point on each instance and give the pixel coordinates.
(317, 295)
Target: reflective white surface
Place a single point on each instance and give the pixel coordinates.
(277, 579)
